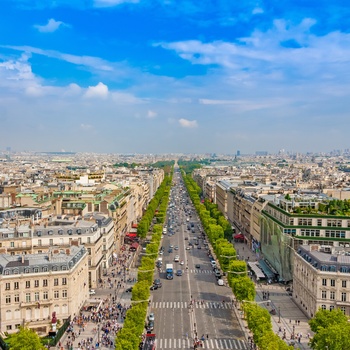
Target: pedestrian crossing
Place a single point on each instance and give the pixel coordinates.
(185, 305)
(214, 344)
(199, 271)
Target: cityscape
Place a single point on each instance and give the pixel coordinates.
(174, 175)
(76, 241)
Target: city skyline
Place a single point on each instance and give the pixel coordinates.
(139, 76)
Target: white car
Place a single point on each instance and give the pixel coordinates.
(151, 317)
(181, 262)
(92, 292)
(220, 282)
(177, 258)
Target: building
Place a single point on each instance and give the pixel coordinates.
(321, 278)
(33, 286)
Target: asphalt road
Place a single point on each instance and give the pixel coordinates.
(212, 315)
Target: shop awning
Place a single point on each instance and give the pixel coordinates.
(267, 271)
(256, 269)
(131, 235)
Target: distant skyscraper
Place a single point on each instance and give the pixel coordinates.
(238, 153)
(261, 153)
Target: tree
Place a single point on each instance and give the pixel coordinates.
(25, 339)
(243, 288)
(326, 318)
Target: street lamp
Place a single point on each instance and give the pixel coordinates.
(279, 314)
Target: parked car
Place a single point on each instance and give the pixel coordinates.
(151, 317)
(128, 290)
(220, 282)
(179, 273)
(154, 287)
(157, 282)
(92, 292)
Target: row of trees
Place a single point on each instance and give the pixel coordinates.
(219, 233)
(129, 336)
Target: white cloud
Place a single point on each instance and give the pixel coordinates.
(99, 91)
(85, 126)
(257, 10)
(50, 27)
(151, 114)
(185, 123)
(111, 3)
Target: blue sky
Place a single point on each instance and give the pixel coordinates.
(160, 76)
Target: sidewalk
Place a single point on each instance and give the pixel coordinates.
(289, 318)
(89, 334)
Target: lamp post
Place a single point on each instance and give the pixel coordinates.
(279, 314)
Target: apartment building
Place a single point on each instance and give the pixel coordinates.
(94, 231)
(33, 286)
(321, 278)
(221, 190)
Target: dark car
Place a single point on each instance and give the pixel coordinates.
(170, 250)
(199, 247)
(179, 273)
(157, 282)
(154, 287)
(197, 266)
(129, 290)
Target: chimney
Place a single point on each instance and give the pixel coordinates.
(68, 251)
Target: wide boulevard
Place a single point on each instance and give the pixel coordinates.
(177, 322)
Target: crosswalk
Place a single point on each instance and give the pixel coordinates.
(208, 272)
(185, 305)
(214, 344)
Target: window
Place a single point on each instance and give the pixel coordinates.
(16, 298)
(324, 281)
(16, 285)
(51, 242)
(27, 297)
(36, 296)
(46, 295)
(17, 325)
(55, 282)
(12, 244)
(8, 327)
(335, 234)
(64, 281)
(343, 284)
(7, 286)
(323, 307)
(56, 294)
(64, 293)
(319, 222)
(343, 296)
(332, 283)
(332, 295)
(36, 269)
(331, 308)
(324, 294)
(27, 284)
(8, 299)
(44, 283)
(343, 308)
(39, 243)
(36, 283)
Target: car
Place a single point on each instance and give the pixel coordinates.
(177, 258)
(170, 250)
(213, 263)
(190, 244)
(153, 287)
(161, 252)
(217, 274)
(220, 282)
(171, 246)
(129, 290)
(176, 247)
(179, 273)
(92, 292)
(197, 266)
(186, 238)
(188, 248)
(157, 282)
(151, 317)
(199, 247)
(150, 325)
(181, 262)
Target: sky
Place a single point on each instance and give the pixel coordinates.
(174, 76)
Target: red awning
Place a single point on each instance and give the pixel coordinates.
(134, 225)
(131, 235)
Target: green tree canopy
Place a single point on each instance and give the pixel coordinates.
(25, 339)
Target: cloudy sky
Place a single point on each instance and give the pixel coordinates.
(159, 76)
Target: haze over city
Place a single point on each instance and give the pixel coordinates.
(174, 76)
